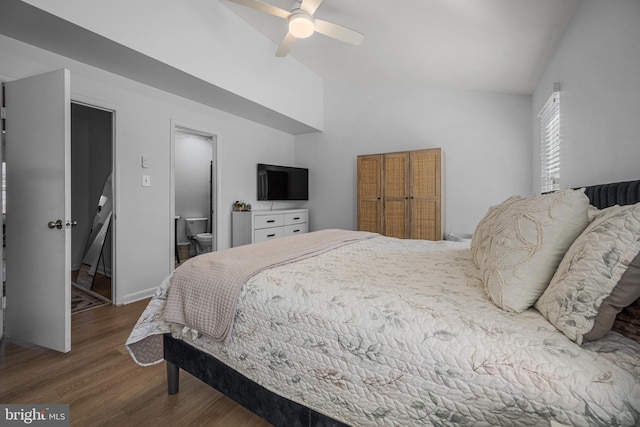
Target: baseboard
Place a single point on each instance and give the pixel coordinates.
(137, 296)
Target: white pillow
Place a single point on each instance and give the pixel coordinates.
(481, 238)
(591, 271)
(528, 241)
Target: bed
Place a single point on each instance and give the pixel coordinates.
(370, 330)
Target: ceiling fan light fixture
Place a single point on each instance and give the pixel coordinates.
(301, 25)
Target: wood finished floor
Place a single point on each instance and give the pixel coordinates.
(104, 386)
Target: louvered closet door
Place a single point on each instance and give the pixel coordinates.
(396, 195)
(370, 193)
(425, 197)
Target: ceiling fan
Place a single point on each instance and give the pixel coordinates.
(302, 24)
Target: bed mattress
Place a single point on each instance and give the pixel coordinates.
(399, 332)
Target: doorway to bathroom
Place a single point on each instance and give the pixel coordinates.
(194, 173)
(92, 135)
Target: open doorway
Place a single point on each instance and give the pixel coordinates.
(92, 130)
(194, 177)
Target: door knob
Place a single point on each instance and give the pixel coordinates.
(72, 223)
(55, 224)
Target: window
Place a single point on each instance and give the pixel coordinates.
(550, 143)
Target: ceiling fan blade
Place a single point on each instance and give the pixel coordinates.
(285, 45)
(310, 6)
(338, 32)
(264, 7)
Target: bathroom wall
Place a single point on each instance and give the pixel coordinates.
(193, 156)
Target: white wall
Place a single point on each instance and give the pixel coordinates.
(486, 140)
(598, 66)
(143, 127)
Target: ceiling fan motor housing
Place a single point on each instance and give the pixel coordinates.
(301, 24)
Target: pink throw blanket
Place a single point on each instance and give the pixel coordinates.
(204, 290)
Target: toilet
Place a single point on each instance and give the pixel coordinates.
(196, 230)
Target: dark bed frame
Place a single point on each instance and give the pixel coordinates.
(618, 193)
(281, 411)
(272, 407)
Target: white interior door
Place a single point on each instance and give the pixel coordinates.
(38, 234)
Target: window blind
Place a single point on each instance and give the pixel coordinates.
(550, 144)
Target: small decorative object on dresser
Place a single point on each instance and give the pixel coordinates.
(241, 205)
(258, 226)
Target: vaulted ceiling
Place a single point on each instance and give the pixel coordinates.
(482, 45)
(487, 45)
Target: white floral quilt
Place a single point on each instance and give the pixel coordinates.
(400, 332)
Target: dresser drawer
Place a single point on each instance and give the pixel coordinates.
(264, 221)
(295, 218)
(259, 226)
(267, 234)
(290, 230)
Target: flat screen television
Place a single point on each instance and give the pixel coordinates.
(282, 183)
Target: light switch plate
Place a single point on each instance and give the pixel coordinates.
(146, 180)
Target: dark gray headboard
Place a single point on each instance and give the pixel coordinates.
(617, 193)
